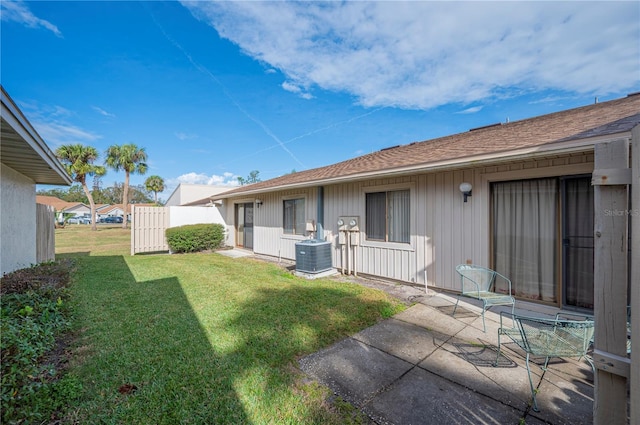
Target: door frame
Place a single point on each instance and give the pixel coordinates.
(240, 242)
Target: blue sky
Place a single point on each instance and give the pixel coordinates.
(213, 91)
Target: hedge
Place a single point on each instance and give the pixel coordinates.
(195, 237)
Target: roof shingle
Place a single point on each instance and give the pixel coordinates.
(594, 120)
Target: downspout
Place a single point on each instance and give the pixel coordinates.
(320, 214)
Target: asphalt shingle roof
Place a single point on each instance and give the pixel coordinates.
(594, 120)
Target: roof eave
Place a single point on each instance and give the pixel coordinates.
(30, 141)
(573, 146)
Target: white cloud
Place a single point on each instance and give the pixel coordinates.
(184, 136)
(291, 87)
(52, 124)
(471, 110)
(61, 133)
(103, 112)
(18, 11)
(226, 179)
(294, 88)
(424, 54)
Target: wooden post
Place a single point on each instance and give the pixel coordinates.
(635, 278)
(610, 178)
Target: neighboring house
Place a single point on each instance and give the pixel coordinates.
(192, 194)
(530, 214)
(25, 160)
(59, 205)
(100, 208)
(78, 209)
(117, 210)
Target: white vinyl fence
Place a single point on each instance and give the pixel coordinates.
(148, 224)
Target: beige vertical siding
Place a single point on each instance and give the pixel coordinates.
(445, 230)
(45, 233)
(268, 235)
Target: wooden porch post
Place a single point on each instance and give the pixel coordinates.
(635, 277)
(611, 177)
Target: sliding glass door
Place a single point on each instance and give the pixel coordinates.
(525, 236)
(530, 218)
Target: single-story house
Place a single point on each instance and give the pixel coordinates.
(59, 205)
(116, 210)
(193, 194)
(527, 210)
(25, 160)
(77, 209)
(69, 209)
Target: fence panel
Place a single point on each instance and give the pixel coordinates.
(147, 229)
(45, 233)
(148, 224)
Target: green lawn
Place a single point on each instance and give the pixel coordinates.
(204, 338)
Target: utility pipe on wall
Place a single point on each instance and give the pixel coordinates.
(320, 214)
(355, 260)
(348, 253)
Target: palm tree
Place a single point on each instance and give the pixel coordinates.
(78, 160)
(154, 184)
(130, 159)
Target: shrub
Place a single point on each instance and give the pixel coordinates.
(34, 314)
(195, 237)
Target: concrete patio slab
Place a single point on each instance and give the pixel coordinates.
(430, 319)
(564, 401)
(353, 370)
(403, 340)
(421, 397)
(471, 367)
(426, 366)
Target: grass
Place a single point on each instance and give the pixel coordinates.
(202, 338)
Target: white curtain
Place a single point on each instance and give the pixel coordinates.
(399, 213)
(301, 222)
(289, 217)
(525, 236)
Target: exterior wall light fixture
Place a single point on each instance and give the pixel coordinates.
(465, 188)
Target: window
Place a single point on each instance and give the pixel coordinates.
(294, 216)
(387, 216)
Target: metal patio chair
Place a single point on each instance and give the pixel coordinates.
(547, 337)
(479, 283)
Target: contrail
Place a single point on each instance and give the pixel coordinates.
(205, 71)
(309, 133)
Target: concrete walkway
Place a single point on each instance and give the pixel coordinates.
(424, 366)
(235, 253)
